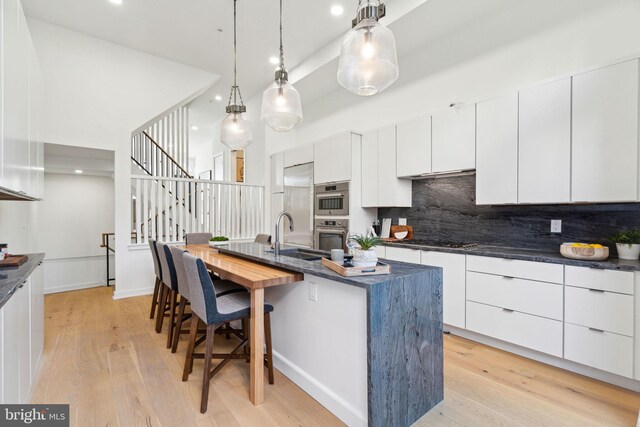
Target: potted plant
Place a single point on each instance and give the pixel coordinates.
(365, 256)
(628, 244)
(218, 240)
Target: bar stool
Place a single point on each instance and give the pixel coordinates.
(158, 272)
(264, 239)
(169, 292)
(223, 287)
(197, 238)
(214, 311)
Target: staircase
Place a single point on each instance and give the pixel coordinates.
(167, 202)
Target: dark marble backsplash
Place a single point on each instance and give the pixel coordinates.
(444, 210)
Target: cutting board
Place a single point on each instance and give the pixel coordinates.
(398, 229)
(13, 261)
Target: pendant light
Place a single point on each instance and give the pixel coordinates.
(368, 59)
(235, 131)
(281, 106)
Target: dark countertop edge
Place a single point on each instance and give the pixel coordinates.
(364, 282)
(525, 255)
(19, 275)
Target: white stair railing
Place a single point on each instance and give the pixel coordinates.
(166, 209)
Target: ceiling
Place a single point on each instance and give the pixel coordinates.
(199, 33)
(67, 159)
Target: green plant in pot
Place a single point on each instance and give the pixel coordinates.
(218, 241)
(365, 255)
(628, 243)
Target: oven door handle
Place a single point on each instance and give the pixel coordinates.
(329, 195)
(331, 230)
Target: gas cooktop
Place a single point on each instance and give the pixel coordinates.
(455, 245)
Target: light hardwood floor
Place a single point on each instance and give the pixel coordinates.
(103, 357)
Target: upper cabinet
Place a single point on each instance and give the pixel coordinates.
(497, 162)
(380, 185)
(21, 96)
(604, 162)
(277, 172)
(332, 159)
(413, 142)
(454, 139)
(298, 156)
(544, 175)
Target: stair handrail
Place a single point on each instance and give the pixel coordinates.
(166, 154)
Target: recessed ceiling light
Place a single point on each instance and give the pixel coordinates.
(274, 60)
(218, 98)
(337, 10)
(116, 1)
(78, 171)
(194, 127)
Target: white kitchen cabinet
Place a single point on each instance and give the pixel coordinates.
(537, 333)
(413, 146)
(277, 173)
(15, 155)
(298, 156)
(453, 139)
(607, 311)
(604, 160)
(497, 151)
(539, 271)
(599, 349)
(380, 186)
(403, 254)
(16, 347)
(332, 159)
(544, 158)
(381, 252)
(453, 284)
(36, 293)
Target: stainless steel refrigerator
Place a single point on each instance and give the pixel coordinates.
(298, 201)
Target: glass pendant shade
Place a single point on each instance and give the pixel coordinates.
(236, 131)
(368, 59)
(281, 106)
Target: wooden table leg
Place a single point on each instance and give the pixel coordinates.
(256, 336)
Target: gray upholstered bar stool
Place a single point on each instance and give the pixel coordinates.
(214, 311)
(158, 272)
(197, 238)
(223, 287)
(168, 293)
(264, 239)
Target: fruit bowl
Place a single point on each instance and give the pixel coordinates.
(584, 251)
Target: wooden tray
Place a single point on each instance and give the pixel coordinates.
(356, 271)
(398, 229)
(13, 261)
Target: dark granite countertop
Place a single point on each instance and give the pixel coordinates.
(526, 255)
(264, 254)
(11, 278)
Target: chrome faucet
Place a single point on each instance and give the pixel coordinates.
(276, 245)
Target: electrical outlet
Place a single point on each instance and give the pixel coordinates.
(556, 226)
(313, 291)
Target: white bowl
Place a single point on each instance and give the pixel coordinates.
(214, 244)
(400, 234)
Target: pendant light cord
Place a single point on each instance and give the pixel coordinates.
(281, 47)
(235, 90)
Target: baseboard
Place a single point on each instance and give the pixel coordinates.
(132, 293)
(73, 287)
(327, 398)
(565, 364)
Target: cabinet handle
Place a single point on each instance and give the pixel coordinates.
(507, 277)
(600, 291)
(596, 330)
(508, 310)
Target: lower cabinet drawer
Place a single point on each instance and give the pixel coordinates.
(537, 333)
(540, 271)
(403, 254)
(608, 311)
(601, 350)
(538, 298)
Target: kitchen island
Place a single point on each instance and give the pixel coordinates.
(368, 348)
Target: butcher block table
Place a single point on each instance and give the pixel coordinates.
(255, 277)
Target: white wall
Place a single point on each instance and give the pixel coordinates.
(97, 93)
(75, 211)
